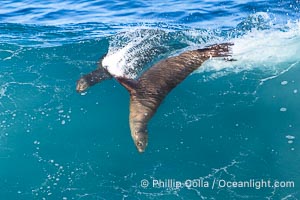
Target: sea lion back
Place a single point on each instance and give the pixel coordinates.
(161, 78)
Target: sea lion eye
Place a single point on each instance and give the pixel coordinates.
(140, 144)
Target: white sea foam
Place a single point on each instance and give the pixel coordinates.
(2, 92)
(275, 50)
(130, 51)
(261, 49)
(115, 61)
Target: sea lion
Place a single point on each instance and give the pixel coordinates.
(93, 77)
(148, 91)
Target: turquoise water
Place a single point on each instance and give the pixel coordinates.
(228, 121)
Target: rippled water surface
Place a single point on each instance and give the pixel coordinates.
(229, 121)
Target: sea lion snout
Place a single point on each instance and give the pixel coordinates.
(82, 85)
(141, 145)
(140, 140)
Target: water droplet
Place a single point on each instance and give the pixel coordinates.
(283, 109)
(290, 137)
(63, 122)
(284, 82)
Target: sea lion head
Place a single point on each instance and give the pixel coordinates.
(141, 141)
(82, 84)
(139, 135)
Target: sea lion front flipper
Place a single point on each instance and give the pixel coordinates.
(129, 84)
(92, 78)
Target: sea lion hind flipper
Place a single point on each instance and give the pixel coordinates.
(218, 50)
(129, 84)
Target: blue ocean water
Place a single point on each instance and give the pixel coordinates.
(228, 122)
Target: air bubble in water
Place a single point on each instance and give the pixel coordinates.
(283, 109)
